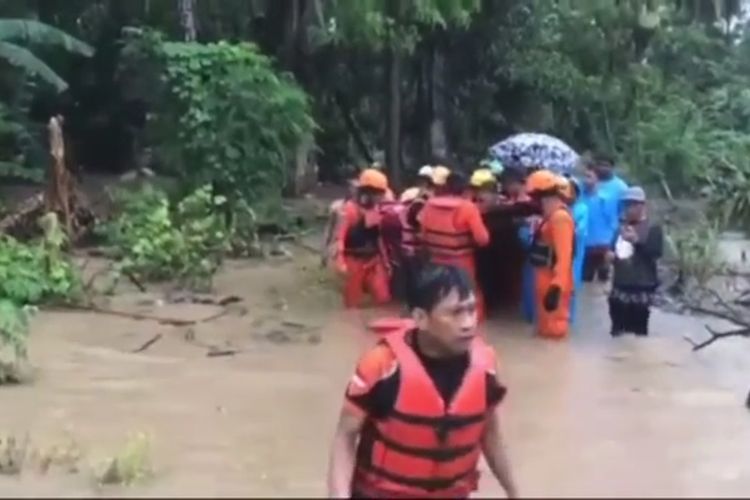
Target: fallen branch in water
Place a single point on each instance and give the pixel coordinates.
(153, 340)
(725, 312)
(739, 332)
(147, 317)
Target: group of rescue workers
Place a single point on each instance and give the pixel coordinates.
(424, 404)
(568, 229)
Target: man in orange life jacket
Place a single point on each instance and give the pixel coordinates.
(361, 255)
(551, 255)
(451, 227)
(423, 404)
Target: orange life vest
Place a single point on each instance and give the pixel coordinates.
(424, 449)
(440, 237)
(541, 254)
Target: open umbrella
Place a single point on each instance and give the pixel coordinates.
(535, 150)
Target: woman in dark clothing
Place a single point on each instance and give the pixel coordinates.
(635, 253)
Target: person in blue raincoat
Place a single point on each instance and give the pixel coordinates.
(581, 218)
(612, 188)
(603, 221)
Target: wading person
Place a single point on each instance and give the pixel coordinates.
(335, 211)
(423, 404)
(635, 279)
(361, 256)
(580, 212)
(602, 227)
(451, 228)
(483, 187)
(551, 255)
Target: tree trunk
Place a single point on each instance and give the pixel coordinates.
(439, 108)
(393, 151)
(187, 19)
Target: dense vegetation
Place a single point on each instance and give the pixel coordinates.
(233, 96)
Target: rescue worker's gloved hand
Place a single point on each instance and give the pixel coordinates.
(552, 298)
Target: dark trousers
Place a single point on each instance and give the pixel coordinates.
(629, 317)
(405, 277)
(595, 265)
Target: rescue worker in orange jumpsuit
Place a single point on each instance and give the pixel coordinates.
(551, 254)
(361, 256)
(424, 404)
(451, 227)
(335, 210)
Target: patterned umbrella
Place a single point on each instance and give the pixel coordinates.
(535, 150)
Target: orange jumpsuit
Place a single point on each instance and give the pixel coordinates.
(556, 235)
(451, 227)
(361, 255)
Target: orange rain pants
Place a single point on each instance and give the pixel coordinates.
(363, 273)
(365, 276)
(557, 232)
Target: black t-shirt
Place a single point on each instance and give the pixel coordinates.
(446, 373)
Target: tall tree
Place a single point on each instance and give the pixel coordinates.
(187, 19)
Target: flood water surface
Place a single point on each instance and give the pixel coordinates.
(591, 416)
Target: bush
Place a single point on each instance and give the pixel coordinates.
(224, 116)
(30, 274)
(155, 241)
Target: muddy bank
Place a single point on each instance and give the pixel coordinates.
(592, 416)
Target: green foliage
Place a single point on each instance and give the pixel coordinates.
(14, 329)
(35, 273)
(696, 251)
(156, 241)
(27, 31)
(226, 117)
(32, 274)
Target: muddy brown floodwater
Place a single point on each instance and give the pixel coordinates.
(591, 416)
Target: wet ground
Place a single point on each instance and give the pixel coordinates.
(591, 416)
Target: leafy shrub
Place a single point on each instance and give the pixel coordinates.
(34, 274)
(31, 274)
(155, 241)
(224, 116)
(130, 465)
(696, 251)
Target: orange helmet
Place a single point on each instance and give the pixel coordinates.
(542, 181)
(374, 179)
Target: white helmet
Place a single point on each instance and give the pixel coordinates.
(425, 171)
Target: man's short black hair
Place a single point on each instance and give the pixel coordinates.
(435, 282)
(456, 183)
(604, 160)
(513, 174)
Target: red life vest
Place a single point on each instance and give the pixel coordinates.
(424, 449)
(440, 237)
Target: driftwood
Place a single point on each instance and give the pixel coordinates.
(724, 311)
(147, 317)
(153, 340)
